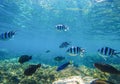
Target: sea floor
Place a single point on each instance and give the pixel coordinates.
(11, 72)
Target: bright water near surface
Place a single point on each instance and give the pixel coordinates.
(92, 24)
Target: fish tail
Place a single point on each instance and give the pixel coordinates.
(16, 31)
(117, 55)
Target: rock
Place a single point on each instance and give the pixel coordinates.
(70, 80)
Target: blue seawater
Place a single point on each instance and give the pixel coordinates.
(92, 25)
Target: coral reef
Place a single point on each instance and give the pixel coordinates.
(70, 80)
(13, 73)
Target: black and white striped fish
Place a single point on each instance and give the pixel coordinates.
(61, 27)
(108, 52)
(7, 35)
(74, 51)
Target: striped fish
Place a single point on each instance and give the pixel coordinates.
(7, 35)
(64, 45)
(61, 27)
(74, 51)
(108, 52)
